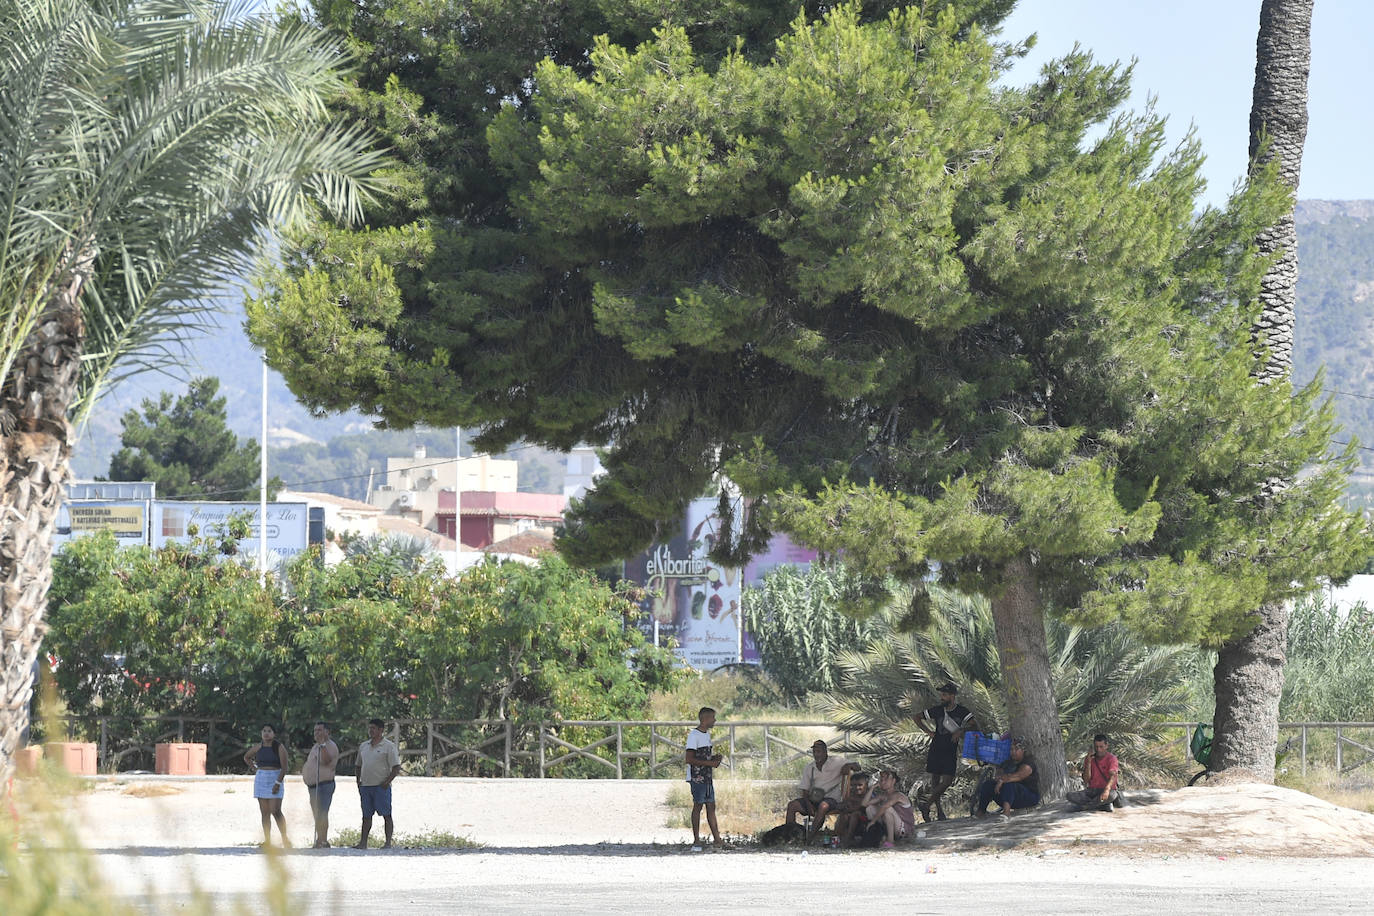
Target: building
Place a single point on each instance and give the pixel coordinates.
(583, 467)
(489, 516)
(410, 487)
(342, 516)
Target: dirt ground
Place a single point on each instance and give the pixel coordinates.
(603, 846)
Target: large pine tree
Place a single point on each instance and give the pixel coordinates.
(917, 317)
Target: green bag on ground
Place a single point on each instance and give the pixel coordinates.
(1201, 745)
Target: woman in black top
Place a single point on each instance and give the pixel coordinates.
(270, 763)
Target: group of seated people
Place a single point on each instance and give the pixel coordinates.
(876, 812)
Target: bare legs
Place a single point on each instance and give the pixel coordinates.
(939, 782)
(710, 822)
(387, 825)
(270, 809)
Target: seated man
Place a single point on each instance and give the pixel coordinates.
(850, 818)
(819, 787)
(1017, 784)
(1101, 771)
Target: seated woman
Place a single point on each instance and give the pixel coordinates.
(851, 819)
(887, 805)
(1017, 784)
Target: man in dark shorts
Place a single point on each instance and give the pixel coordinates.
(945, 724)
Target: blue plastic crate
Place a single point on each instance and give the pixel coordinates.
(986, 749)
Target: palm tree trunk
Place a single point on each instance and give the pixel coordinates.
(36, 446)
(1019, 621)
(1249, 670)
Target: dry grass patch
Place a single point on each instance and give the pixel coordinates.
(1348, 791)
(153, 791)
(744, 807)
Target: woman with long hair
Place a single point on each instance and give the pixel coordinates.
(270, 764)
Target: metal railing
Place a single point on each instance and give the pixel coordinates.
(616, 749)
(1300, 734)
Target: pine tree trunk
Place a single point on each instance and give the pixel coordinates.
(1249, 671)
(1021, 645)
(34, 452)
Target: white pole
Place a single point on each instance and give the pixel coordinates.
(262, 484)
(457, 500)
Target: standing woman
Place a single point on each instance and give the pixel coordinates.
(269, 762)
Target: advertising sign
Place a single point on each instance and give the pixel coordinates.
(126, 519)
(287, 524)
(781, 552)
(691, 599)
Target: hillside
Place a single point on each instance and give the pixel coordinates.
(1335, 318)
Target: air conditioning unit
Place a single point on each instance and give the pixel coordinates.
(406, 499)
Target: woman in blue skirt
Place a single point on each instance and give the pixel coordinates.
(270, 766)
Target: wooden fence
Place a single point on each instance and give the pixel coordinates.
(616, 749)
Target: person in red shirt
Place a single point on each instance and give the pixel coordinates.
(1101, 772)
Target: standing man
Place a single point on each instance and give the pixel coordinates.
(821, 787)
(945, 724)
(700, 764)
(1101, 770)
(379, 762)
(318, 776)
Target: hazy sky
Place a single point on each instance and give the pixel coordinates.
(1198, 58)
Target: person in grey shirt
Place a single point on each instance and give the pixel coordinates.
(379, 762)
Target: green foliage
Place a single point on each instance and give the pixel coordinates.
(181, 630)
(800, 624)
(148, 149)
(1106, 680)
(1330, 672)
(968, 334)
(188, 448)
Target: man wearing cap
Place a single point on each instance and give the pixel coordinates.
(820, 787)
(945, 724)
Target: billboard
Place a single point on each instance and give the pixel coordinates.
(127, 519)
(691, 599)
(287, 524)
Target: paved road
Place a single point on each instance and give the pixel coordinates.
(640, 879)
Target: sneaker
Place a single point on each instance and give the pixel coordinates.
(696, 849)
(887, 845)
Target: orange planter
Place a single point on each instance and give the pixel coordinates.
(26, 759)
(76, 757)
(179, 760)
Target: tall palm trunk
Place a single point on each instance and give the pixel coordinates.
(1249, 671)
(1019, 621)
(37, 444)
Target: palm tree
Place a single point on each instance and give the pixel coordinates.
(147, 148)
(1106, 680)
(1249, 669)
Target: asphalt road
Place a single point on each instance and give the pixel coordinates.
(640, 880)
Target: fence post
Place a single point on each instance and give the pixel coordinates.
(541, 749)
(429, 747)
(1339, 760)
(505, 763)
(732, 750)
(1304, 749)
(653, 751)
(1187, 742)
(104, 752)
(767, 767)
(619, 751)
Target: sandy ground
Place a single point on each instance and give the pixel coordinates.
(603, 847)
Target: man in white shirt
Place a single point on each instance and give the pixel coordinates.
(379, 762)
(820, 787)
